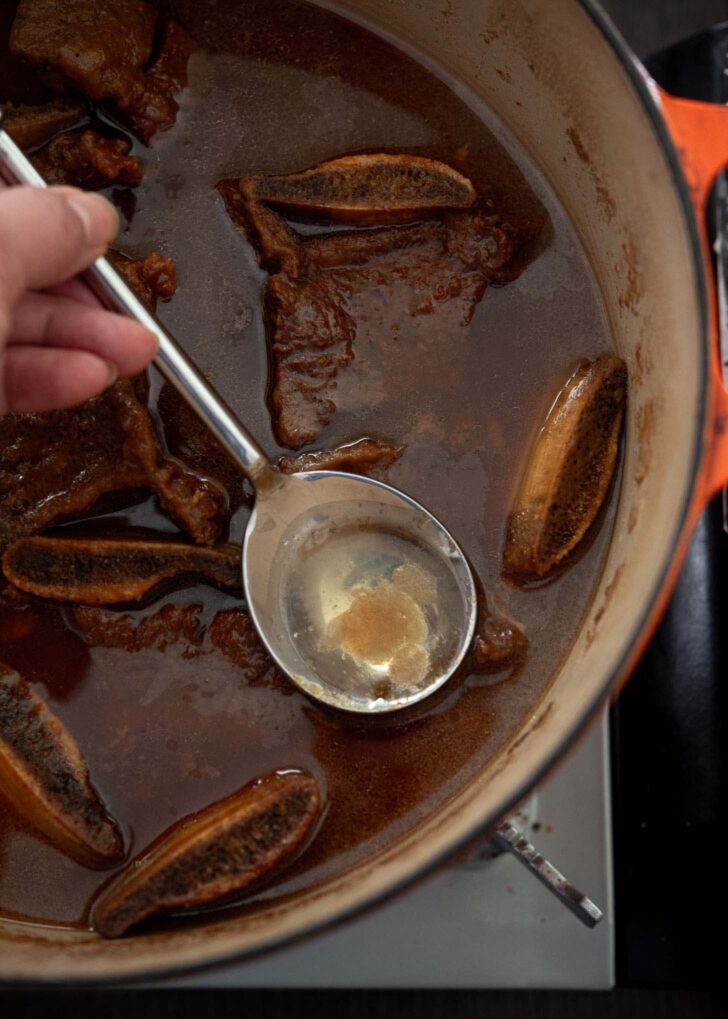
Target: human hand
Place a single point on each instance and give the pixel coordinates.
(58, 346)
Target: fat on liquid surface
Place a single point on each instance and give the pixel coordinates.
(277, 87)
(376, 614)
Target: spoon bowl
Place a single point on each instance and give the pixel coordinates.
(361, 596)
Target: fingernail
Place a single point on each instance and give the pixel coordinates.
(99, 218)
(113, 373)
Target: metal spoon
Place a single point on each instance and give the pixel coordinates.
(359, 594)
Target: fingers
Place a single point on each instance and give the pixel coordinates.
(47, 237)
(41, 319)
(77, 290)
(47, 378)
(60, 347)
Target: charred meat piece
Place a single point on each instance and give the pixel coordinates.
(233, 633)
(190, 440)
(278, 246)
(187, 438)
(314, 323)
(100, 46)
(499, 643)
(359, 247)
(484, 239)
(83, 159)
(96, 571)
(169, 68)
(58, 465)
(103, 48)
(371, 457)
(45, 779)
(30, 126)
(171, 625)
(376, 187)
(329, 291)
(569, 471)
(152, 278)
(478, 240)
(312, 333)
(155, 109)
(219, 853)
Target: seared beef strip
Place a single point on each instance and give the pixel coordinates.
(188, 438)
(359, 247)
(277, 245)
(369, 188)
(152, 278)
(99, 46)
(220, 852)
(232, 632)
(314, 323)
(326, 290)
(156, 108)
(44, 777)
(105, 571)
(311, 333)
(84, 159)
(58, 465)
(103, 48)
(170, 625)
(30, 126)
(371, 457)
(499, 643)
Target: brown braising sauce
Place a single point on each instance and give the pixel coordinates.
(173, 723)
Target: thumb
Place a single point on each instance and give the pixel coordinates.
(47, 236)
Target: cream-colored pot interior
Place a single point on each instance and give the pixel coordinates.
(556, 83)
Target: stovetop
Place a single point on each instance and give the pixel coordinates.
(481, 923)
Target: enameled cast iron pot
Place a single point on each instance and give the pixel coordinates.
(633, 167)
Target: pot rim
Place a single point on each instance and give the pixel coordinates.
(644, 90)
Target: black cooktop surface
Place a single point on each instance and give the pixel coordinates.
(669, 759)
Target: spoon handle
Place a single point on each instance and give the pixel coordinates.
(179, 370)
(170, 360)
(508, 838)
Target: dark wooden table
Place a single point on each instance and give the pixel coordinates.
(647, 25)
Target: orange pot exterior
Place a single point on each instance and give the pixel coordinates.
(700, 134)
